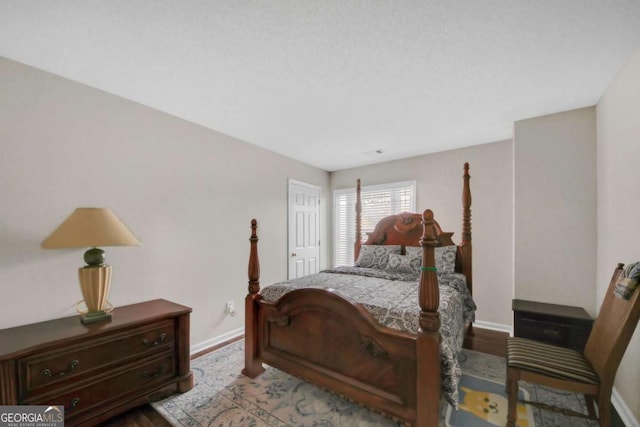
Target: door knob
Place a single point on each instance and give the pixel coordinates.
(294, 254)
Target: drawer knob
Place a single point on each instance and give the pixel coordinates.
(148, 343)
(552, 333)
(47, 372)
(74, 404)
(147, 374)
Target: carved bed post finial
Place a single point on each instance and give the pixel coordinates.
(254, 262)
(429, 294)
(358, 241)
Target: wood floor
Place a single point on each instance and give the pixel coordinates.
(487, 341)
(143, 416)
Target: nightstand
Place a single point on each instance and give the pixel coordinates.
(561, 325)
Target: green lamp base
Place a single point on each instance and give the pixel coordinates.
(95, 316)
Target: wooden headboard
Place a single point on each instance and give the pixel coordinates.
(406, 229)
(403, 229)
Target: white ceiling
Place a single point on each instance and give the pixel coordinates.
(329, 82)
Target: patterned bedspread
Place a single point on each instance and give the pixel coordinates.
(392, 299)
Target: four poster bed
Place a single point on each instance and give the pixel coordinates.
(384, 344)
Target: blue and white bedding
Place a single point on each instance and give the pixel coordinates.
(392, 299)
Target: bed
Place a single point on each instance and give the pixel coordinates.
(355, 347)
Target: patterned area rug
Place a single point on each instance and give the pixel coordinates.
(222, 396)
(484, 403)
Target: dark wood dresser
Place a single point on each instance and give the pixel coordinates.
(98, 370)
(561, 325)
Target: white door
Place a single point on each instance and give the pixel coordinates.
(304, 229)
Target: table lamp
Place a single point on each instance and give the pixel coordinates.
(92, 227)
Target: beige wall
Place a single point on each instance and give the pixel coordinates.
(618, 120)
(187, 192)
(439, 187)
(554, 167)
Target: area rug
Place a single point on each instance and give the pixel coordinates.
(484, 403)
(222, 396)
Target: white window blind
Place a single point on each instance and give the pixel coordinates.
(378, 201)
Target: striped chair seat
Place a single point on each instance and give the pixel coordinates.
(550, 360)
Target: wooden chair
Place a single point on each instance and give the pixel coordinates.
(591, 373)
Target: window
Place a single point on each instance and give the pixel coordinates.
(378, 201)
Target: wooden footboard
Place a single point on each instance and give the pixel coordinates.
(334, 342)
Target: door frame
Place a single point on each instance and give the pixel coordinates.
(291, 181)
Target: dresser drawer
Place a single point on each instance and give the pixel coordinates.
(130, 379)
(545, 331)
(98, 370)
(41, 371)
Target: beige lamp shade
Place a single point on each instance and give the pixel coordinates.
(91, 227)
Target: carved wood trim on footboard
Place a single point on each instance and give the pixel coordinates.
(328, 340)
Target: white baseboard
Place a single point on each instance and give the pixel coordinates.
(493, 326)
(216, 340)
(623, 410)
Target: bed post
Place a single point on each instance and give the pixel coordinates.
(465, 245)
(252, 363)
(358, 241)
(428, 377)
